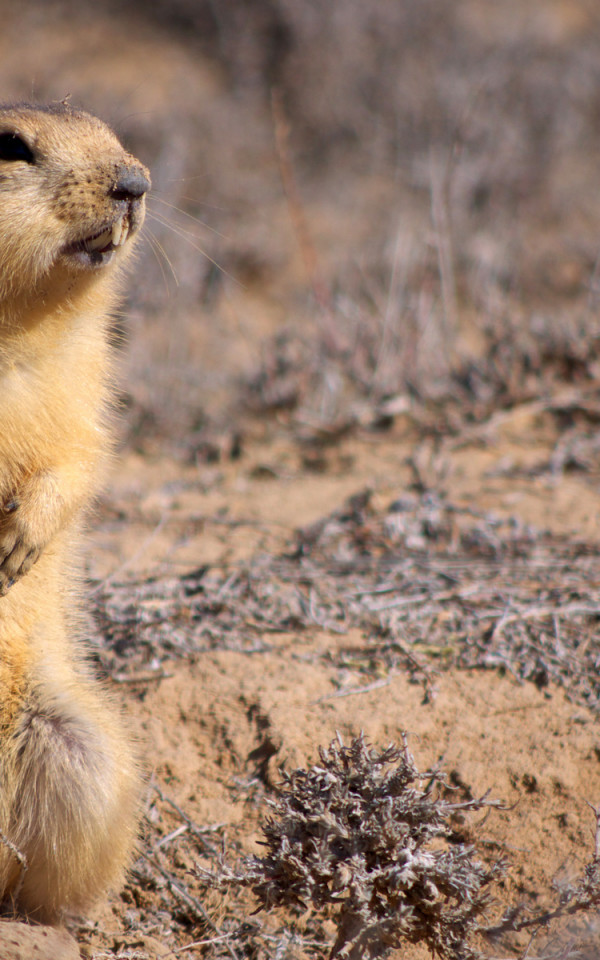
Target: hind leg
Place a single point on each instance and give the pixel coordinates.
(74, 806)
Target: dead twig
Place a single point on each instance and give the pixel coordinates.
(196, 907)
(23, 864)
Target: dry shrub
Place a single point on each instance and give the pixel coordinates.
(364, 835)
(364, 831)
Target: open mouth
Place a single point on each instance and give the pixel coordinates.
(98, 249)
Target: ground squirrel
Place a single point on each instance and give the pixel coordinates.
(70, 200)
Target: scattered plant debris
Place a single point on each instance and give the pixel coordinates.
(430, 583)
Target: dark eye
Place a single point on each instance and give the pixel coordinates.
(12, 147)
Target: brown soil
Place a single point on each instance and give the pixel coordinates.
(219, 729)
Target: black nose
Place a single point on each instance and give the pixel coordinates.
(131, 184)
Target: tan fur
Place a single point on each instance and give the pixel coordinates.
(68, 781)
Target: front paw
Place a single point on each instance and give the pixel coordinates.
(17, 551)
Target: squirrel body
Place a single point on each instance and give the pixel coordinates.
(71, 200)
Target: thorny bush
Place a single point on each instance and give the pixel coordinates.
(365, 831)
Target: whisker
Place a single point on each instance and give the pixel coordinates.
(209, 206)
(152, 242)
(154, 245)
(174, 226)
(190, 216)
(185, 235)
(197, 176)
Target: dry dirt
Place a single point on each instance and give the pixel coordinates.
(213, 473)
(215, 731)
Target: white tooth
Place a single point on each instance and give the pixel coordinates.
(102, 240)
(117, 232)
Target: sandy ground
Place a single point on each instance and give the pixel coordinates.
(232, 717)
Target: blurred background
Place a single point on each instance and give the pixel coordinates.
(357, 206)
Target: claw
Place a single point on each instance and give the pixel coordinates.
(15, 562)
